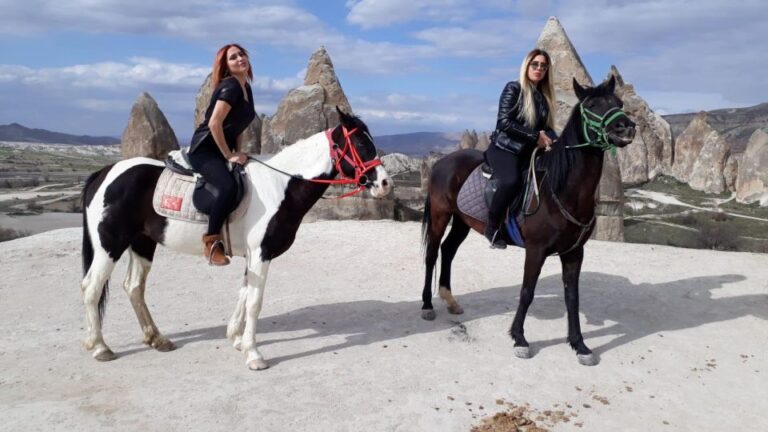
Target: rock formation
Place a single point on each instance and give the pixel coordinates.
(566, 66)
(483, 141)
(735, 124)
(468, 139)
(396, 163)
(308, 109)
(650, 154)
(731, 171)
(701, 154)
(426, 169)
(148, 132)
(752, 180)
(251, 142)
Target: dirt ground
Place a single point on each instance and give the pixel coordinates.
(681, 335)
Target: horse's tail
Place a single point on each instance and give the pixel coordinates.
(92, 183)
(426, 226)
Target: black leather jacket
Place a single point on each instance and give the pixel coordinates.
(511, 133)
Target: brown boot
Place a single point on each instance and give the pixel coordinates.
(213, 249)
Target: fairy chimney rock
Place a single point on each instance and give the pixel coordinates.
(308, 109)
(251, 142)
(468, 140)
(483, 141)
(650, 154)
(700, 156)
(566, 64)
(752, 179)
(148, 133)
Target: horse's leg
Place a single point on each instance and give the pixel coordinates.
(571, 271)
(140, 254)
(437, 226)
(256, 276)
(93, 287)
(534, 259)
(237, 321)
(458, 233)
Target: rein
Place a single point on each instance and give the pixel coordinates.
(350, 154)
(590, 122)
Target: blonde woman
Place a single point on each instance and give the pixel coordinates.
(526, 119)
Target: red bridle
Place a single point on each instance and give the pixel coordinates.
(348, 153)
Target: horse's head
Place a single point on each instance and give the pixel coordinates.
(352, 131)
(603, 122)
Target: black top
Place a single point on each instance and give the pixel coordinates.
(508, 120)
(239, 117)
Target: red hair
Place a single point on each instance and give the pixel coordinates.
(220, 68)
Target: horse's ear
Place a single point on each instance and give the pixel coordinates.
(610, 86)
(579, 90)
(343, 117)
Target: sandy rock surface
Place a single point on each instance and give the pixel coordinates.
(681, 335)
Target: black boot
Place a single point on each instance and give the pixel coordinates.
(494, 236)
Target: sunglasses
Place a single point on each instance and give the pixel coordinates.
(538, 65)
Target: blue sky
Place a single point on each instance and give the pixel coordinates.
(77, 66)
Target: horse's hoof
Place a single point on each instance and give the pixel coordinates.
(428, 314)
(455, 309)
(522, 352)
(105, 355)
(588, 359)
(165, 346)
(258, 364)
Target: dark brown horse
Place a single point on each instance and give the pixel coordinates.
(559, 224)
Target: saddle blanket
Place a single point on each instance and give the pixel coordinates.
(173, 196)
(471, 202)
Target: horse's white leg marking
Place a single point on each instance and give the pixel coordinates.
(135, 283)
(237, 322)
(92, 287)
(257, 279)
(453, 306)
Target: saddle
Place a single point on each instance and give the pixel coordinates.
(183, 194)
(477, 192)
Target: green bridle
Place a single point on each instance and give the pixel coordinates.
(596, 123)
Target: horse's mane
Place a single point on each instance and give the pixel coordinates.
(560, 161)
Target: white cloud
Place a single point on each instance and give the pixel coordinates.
(382, 13)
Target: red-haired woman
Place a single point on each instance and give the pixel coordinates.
(216, 139)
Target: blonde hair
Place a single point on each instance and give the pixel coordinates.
(545, 86)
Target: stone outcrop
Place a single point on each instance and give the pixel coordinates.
(483, 141)
(701, 154)
(731, 171)
(735, 124)
(397, 163)
(426, 168)
(308, 109)
(148, 132)
(566, 66)
(468, 139)
(752, 180)
(650, 154)
(251, 142)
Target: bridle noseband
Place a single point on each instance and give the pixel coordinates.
(349, 154)
(593, 122)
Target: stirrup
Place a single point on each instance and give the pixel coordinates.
(496, 241)
(213, 246)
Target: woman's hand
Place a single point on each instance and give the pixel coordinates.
(544, 141)
(238, 158)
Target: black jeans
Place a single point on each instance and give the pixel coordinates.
(211, 164)
(506, 168)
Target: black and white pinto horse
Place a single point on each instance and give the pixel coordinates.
(118, 216)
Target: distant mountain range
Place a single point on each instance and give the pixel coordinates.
(418, 143)
(19, 133)
(735, 124)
